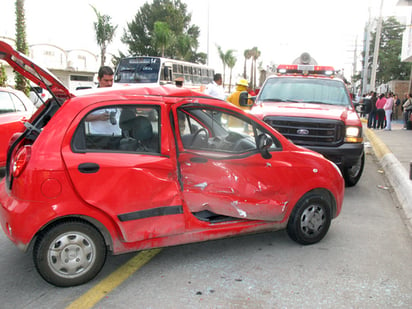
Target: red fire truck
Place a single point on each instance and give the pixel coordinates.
(311, 106)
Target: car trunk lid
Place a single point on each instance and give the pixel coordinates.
(40, 76)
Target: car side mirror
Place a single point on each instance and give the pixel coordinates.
(243, 98)
(264, 142)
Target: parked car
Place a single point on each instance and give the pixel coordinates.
(15, 108)
(199, 169)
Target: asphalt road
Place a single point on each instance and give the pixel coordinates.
(364, 262)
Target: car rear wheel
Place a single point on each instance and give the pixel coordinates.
(352, 174)
(69, 253)
(310, 219)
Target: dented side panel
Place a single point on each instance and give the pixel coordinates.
(250, 187)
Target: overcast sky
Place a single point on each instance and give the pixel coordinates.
(282, 30)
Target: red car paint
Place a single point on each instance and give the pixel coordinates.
(312, 107)
(12, 120)
(187, 185)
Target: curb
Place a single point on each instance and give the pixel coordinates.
(396, 174)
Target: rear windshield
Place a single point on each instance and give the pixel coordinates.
(305, 90)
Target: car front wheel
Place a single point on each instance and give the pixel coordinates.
(69, 253)
(310, 219)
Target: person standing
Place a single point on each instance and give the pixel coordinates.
(407, 110)
(103, 121)
(380, 103)
(105, 77)
(372, 114)
(388, 107)
(234, 98)
(396, 107)
(179, 82)
(215, 88)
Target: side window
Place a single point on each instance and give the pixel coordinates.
(18, 104)
(7, 105)
(10, 103)
(218, 131)
(121, 128)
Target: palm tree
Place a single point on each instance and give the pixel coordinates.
(104, 33)
(247, 55)
(255, 54)
(222, 57)
(21, 43)
(230, 61)
(162, 36)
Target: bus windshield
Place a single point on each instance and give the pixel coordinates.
(138, 70)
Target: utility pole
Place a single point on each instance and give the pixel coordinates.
(355, 58)
(208, 29)
(366, 56)
(376, 50)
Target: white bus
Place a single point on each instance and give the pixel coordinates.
(161, 71)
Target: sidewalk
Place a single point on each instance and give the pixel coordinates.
(394, 152)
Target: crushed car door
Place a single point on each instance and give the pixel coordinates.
(222, 171)
(122, 170)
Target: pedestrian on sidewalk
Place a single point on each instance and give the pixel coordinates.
(372, 114)
(380, 103)
(407, 110)
(396, 107)
(388, 107)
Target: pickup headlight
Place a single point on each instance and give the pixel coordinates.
(353, 135)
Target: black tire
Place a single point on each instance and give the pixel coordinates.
(352, 174)
(310, 219)
(69, 253)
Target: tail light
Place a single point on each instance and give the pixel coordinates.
(20, 160)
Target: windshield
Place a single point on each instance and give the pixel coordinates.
(305, 90)
(138, 70)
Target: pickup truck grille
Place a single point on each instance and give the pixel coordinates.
(309, 131)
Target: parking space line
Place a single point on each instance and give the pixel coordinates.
(95, 294)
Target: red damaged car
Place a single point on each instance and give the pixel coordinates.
(169, 166)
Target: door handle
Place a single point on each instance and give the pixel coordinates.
(88, 168)
(198, 160)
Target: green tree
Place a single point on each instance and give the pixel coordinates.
(389, 65)
(162, 36)
(254, 54)
(104, 33)
(3, 76)
(225, 57)
(230, 60)
(139, 33)
(246, 54)
(21, 44)
(222, 58)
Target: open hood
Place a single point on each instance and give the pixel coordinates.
(34, 73)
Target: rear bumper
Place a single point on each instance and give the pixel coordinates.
(14, 219)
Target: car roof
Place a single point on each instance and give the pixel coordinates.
(168, 94)
(20, 94)
(310, 76)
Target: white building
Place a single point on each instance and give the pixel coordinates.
(74, 68)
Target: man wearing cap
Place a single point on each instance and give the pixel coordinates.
(179, 82)
(241, 87)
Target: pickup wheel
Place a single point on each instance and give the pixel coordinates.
(310, 219)
(69, 253)
(352, 174)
